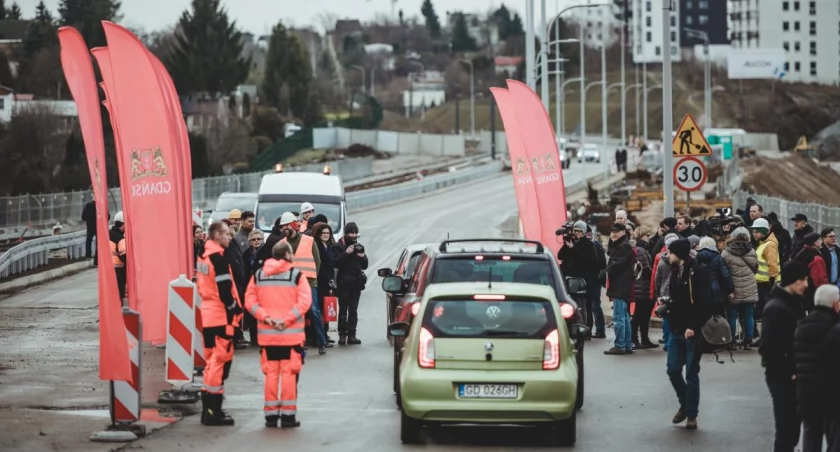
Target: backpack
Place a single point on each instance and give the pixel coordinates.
(715, 334)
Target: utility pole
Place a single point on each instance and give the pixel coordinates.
(623, 91)
(530, 72)
(582, 93)
(667, 113)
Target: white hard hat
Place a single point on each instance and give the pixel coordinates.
(287, 217)
(760, 223)
(119, 217)
(306, 207)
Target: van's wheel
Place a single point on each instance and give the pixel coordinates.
(581, 379)
(565, 432)
(411, 430)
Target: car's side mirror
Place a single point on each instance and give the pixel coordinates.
(576, 286)
(399, 329)
(578, 331)
(383, 272)
(392, 284)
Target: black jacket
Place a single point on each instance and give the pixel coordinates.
(813, 352)
(89, 215)
(797, 244)
(350, 267)
(691, 294)
(826, 255)
(620, 277)
(581, 260)
(326, 272)
(784, 239)
(241, 276)
(778, 324)
(264, 253)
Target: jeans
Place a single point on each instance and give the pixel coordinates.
(594, 310)
(783, 392)
(684, 352)
(89, 240)
(746, 312)
(815, 430)
(314, 316)
(666, 331)
(622, 325)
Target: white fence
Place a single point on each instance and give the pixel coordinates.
(415, 143)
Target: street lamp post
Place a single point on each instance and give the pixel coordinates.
(628, 88)
(558, 100)
(707, 76)
(563, 100)
(623, 81)
(472, 95)
(604, 93)
(667, 112)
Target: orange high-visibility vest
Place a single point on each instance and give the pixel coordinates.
(280, 292)
(117, 250)
(303, 225)
(213, 310)
(304, 260)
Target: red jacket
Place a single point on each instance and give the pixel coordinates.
(653, 271)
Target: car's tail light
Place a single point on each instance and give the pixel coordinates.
(426, 355)
(567, 310)
(489, 297)
(415, 309)
(551, 351)
(479, 258)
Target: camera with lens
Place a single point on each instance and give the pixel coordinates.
(359, 248)
(567, 231)
(664, 307)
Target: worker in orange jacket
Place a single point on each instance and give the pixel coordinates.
(278, 297)
(221, 313)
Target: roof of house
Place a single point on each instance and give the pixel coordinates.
(507, 61)
(347, 26)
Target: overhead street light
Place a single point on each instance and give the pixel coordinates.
(472, 95)
(707, 76)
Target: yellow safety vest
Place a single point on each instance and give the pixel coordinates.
(763, 273)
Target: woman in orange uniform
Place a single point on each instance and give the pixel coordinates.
(279, 297)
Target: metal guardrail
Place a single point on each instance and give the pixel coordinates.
(34, 253)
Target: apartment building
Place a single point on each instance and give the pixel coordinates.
(599, 25)
(646, 31)
(807, 30)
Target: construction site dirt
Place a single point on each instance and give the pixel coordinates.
(795, 178)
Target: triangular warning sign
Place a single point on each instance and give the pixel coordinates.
(689, 139)
(802, 144)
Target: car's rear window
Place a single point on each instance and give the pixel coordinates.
(497, 269)
(489, 318)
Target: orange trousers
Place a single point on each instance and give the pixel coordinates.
(218, 354)
(280, 372)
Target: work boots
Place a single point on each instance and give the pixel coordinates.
(342, 339)
(289, 421)
(271, 421)
(353, 340)
(211, 413)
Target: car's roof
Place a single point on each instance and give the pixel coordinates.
(496, 288)
(490, 246)
(234, 194)
(301, 183)
(419, 246)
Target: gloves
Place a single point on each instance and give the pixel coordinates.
(234, 308)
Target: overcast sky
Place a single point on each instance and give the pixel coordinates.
(258, 16)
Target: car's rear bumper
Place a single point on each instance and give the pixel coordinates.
(544, 396)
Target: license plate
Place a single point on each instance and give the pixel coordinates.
(487, 391)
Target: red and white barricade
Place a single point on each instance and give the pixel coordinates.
(198, 337)
(180, 333)
(125, 395)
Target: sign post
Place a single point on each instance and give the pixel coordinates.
(689, 173)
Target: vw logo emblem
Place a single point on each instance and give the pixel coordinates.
(493, 312)
(488, 346)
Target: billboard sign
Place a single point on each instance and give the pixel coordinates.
(756, 63)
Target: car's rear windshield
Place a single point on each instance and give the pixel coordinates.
(230, 202)
(492, 268)
(527, 319)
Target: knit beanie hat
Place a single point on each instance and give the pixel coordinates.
(681, 248)
(793, 271)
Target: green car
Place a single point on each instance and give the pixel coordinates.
(488, 353)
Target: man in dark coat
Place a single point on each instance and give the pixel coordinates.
(350, 261)
(594, 311)
(831, 255)
(781, 314)
(782, 236)
(620, 280)
(801, 229)
(816, 350)
(657, 243)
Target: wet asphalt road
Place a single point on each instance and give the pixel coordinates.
(346, 403)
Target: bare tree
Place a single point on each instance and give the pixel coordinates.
(326, 20)
(32, 150)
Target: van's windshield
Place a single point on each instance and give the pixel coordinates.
(268, 212)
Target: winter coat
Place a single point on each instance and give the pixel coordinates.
(798, 241)
(326, 272)
(690, 292)
(811, 257)
(825, 252)
(642, 284)
(620, 270)
(815, 350)
(783, 238)
(720, 279)
(742, 263)
(661, 276)
(778, 324)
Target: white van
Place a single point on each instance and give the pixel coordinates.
(285, 192)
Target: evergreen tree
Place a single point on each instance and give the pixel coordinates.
(3, 13)
(40, 37)
(6, 78)
(13, 12)
(560, 30)
(462, 41)
(432, 21)
(502, 18)
(86, 16)
(516, 27)
(288, 81)
(207, 53)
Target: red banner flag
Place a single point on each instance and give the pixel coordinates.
(523, 180)
(544, 156)
(103, 59)
(148, 149)
(114, 362)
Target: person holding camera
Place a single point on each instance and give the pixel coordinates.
(578, 259)
(619, 281)
(687, 309)
(350, 261)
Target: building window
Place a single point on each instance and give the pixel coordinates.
(814, 68)
(689, 20)
(648, 21)
(648, 36)
(786, 46)
(647, 6)
(796, 46)
(673, 36)
(796, 26)
(796, 6)
(813, 48)
(787, 66)
(673, 21)
(673, 50)
(813, 28)
(785, 6)
(703, 19)
(812, 8)
(703, 4)
(658, 51)
(785, 26)
(2, 103)
(688, 4)
(796, 66)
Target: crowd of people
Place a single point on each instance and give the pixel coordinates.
(779, 291)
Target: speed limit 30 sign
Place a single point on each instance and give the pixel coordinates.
(690, 174)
